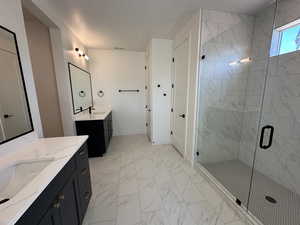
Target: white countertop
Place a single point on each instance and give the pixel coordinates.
(60, 150)
(93, 116)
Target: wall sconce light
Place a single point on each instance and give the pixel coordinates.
(81, 53)
(86, 56)
(246, 60)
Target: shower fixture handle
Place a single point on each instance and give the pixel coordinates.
(262, 137)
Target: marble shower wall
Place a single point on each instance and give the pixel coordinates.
(281, 108)
(226, 37)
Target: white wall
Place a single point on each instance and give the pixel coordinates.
(191, 31)
(113, 70)
(11, 17)
(160, 59)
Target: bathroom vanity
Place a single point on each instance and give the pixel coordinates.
(98, 126)
(47, 184)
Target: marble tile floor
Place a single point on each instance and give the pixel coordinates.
(137, 183)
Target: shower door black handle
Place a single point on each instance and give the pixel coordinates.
(262, 136)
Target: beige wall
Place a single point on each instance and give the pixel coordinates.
(63, 43)
(44, 76)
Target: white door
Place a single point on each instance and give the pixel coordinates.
(179, 116)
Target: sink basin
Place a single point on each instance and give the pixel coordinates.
(16, 176)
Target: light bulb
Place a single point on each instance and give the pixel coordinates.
(245, 60)
(234, 63)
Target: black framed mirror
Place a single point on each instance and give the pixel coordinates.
(81, 88)
(15, 116)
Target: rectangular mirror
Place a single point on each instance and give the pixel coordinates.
(81, 87)
(15, 117)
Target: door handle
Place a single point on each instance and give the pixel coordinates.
(262, 137)
(6, 116)
(182, 115)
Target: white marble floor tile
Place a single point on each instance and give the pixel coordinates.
(129, 212)
(192, 194)
(137, 183)
(154, 218)
(128, 186)
(149, 195)
(102, 212)
(103, 223)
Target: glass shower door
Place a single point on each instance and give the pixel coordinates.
(230, 93)
(275, 189)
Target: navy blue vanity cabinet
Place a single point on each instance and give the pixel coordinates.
(99, 132)
(65, 200)
(52, 217)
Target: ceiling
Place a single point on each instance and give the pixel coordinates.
(130, 24)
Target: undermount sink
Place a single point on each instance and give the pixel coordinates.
(16, 176)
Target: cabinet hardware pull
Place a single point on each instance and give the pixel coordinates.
(86, 196)
(56, 205)
(84, 171)
(61, 197)
(82, 153)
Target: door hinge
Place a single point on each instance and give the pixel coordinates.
(171, 132)
(173, 59)
(172, 85)
(145, 67)
(146, 106)
(146, 124)
(172, 110)
(146, 87)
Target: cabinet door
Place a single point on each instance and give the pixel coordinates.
(105, 127)
(52, 217)
(85, 189)
(69, 204)
(84, 180)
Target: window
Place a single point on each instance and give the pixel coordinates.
(286, 39)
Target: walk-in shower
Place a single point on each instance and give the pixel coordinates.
(249, 108)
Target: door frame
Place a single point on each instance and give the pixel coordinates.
(181, 40)
(148, 114)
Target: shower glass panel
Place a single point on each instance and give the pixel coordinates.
(231, 86)
(275, 192)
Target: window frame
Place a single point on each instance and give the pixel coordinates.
(277, 38)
